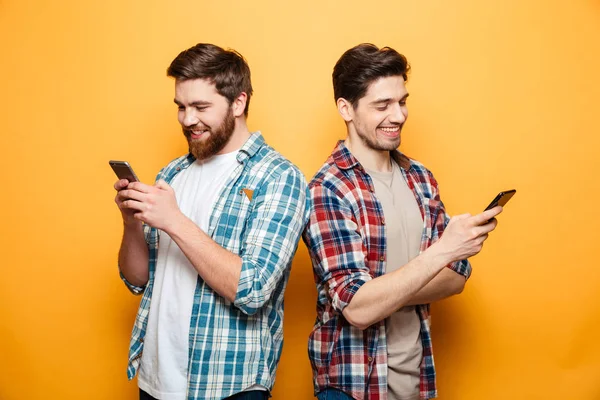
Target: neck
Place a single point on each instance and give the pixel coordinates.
(375, 160)
(240, 135)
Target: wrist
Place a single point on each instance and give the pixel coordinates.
(130, 223)
(176, 224)
(440, 257)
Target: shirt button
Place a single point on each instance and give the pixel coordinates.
(382, 258)
(178, 168)
(370, 359)
(382, 221)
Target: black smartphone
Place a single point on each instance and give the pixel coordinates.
(123, 170)
(501, 199)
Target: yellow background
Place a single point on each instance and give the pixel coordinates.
(503, 94)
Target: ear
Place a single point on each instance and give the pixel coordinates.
(239, 104)
(345, 109)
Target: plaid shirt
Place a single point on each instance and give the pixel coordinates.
(233, 346)
(347, 244)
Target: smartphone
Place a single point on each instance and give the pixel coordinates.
(123, 170)
(501, 199)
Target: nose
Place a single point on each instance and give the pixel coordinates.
(189, 118)
(398, 115)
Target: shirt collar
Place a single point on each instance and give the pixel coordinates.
(251, 147)
(345, 160)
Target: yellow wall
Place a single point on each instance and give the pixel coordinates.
(503, 94)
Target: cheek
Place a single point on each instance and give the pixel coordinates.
(376, 121)
(370, 122)
(210, 120)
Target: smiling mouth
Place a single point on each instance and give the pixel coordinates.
(196, 134)
(390, 131)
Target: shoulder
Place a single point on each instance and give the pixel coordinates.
(175, 166)
(424, 178)
(333, 187)
(270, 165)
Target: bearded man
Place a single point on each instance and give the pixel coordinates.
(210, 244)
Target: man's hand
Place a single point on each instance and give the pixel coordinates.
(155, 205)
(126, 213)
(465, 234)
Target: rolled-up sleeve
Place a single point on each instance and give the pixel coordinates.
(137, 290)
(462, 267)
(336, 246)
(274, 229)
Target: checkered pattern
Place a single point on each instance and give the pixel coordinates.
(346, 240)
(235, 345)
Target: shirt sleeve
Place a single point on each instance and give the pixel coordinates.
(274, 228)
(462, 267)
(336, 246)
(137, 290)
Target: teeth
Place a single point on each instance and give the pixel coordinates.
(394, 129)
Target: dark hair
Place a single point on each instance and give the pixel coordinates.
(226, 69)
(358, 67)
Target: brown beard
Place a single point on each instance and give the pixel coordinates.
(206, 148)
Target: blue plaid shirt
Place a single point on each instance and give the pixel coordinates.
(233, 346)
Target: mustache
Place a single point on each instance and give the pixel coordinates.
(188, 131)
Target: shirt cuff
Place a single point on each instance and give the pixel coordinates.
(137, 290)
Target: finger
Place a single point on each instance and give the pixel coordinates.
(484, 217)
(133, 205)
(490, 225)
(120, 184)
(132, 194)
(139, 216)
(140, 187)
(482, 238)
(484, 229)
(459, 217)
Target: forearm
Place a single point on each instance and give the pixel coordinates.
(379, 298)
(218, 267)
(133, 254)
(445, 284)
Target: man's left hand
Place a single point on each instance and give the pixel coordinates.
(155, 205)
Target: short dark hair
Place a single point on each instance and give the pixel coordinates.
(226, 69)
(358, 67)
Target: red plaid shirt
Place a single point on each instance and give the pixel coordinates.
(346, 240)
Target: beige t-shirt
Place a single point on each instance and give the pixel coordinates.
(404, 227)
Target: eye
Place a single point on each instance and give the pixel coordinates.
(201, 108)
(382, 108)
(181, 108)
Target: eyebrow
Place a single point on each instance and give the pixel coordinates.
(201, 103)
(387, 100)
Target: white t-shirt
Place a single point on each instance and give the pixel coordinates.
(164, 364)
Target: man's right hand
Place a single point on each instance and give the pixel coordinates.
(464, 235)
(126, 213)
